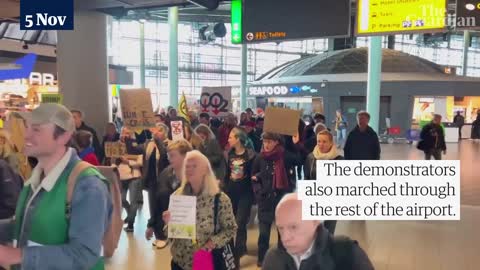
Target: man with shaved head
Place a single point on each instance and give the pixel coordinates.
(307, 245)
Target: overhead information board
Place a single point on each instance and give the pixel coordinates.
(377, 17)
(255, 21)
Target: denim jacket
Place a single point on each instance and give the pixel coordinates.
(90, 218)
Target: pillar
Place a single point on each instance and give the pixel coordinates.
(374, 80)
(173, 52)
(243, 88)
(331, 44)
(83, 68)
(466, 45)
(142, 54)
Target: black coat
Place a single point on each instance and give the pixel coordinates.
(266, 196)
(427, 138)
(99, 151)
(244, 186)
(10, 186)
(310, 166)
(329, 253)
(257, 141)
(362, 145)
(476, 128)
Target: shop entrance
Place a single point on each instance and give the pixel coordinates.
(351, 105)
(307, 105)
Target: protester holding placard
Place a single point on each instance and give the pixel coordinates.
(198, 179)
(168, 181)
(210, 148)
(111, 135)
(238, 185)
(273, 175)
(155, 160)
(130, 170)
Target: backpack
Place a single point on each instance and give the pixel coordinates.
(112, 235)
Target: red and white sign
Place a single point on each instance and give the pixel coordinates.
(177, 130)
(216, 101)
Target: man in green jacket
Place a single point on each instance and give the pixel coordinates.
(47, 232)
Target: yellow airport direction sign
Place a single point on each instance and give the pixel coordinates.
(379, 17)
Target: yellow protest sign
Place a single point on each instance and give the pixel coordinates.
(52, 98)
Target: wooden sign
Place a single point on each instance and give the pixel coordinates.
(177, 130)
(281, 121)
(137, 110)
(216, 101)
(115, 149)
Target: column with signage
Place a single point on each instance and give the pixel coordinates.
(83, 68)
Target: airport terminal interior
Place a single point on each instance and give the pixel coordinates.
(232, 76)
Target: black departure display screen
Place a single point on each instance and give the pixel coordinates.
(278, 20)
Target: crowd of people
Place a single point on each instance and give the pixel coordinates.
(230, 162)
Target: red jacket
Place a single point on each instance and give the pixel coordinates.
(92, 159)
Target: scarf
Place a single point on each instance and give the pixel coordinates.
(280, 178)
(150, 146)
(332, 154)
(86, 151)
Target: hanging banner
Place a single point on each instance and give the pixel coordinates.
(137, 109)
(216, 101)
(177, 130)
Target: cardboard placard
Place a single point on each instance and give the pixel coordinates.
(216, 101)
(115, 149)
(281, 121)
(52, 98)
(137, 109)
(177, 130)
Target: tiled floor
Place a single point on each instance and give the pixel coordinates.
(432, 245)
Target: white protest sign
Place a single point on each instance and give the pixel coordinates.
(183, 211)
(177, 130)
(216, 101)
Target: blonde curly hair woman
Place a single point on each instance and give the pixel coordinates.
(198, 179)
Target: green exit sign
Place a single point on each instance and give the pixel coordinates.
(236, 9)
